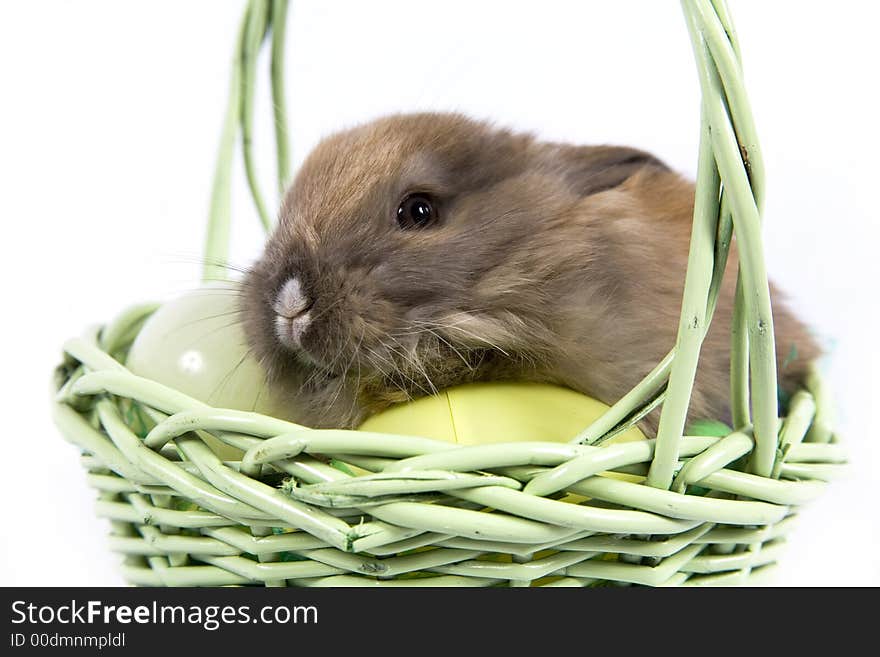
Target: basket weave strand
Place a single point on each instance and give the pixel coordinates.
(308, 507)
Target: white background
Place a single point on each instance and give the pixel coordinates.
(109, 116)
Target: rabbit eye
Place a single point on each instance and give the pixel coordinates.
(416, 211)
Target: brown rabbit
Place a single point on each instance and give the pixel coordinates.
(422, 251)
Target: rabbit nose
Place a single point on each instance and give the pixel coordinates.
(291, 301)
(292, 316)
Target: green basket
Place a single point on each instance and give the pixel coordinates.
(708, 509)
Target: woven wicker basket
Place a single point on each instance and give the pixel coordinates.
(705, 509)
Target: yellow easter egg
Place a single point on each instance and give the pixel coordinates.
(482, 413)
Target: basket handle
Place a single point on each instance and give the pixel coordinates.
(730, 187)
(261, 18)
(729, 198)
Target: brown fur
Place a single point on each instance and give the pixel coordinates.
(550, 262)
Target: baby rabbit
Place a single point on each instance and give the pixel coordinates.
(421, 251)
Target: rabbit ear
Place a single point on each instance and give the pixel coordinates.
(593, 169)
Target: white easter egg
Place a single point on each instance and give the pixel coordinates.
(195, 344)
